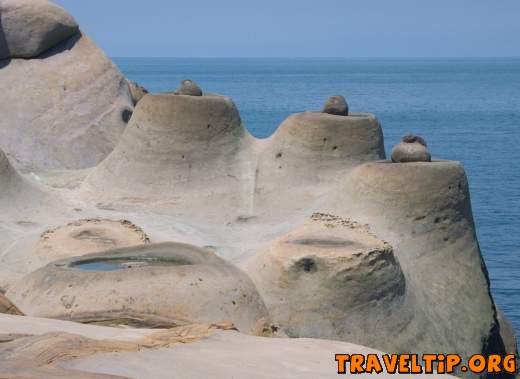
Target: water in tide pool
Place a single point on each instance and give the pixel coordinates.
(467, 109)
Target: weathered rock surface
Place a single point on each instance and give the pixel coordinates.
(31, 27)
(19, 195)
(152, 285)
(87, 351)
(7, 307)
(186, 169)
(315, 149)
(65, 108)
(332, 279)
(412, 148)
(42, 355)
(177, 149)
(137, 92)
(423, 210)
(82, 237)
(336, 105)
(189, 88)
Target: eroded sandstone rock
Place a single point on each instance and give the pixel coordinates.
(31, 27)
(148, 286)
(424, 211)
(88, 236)
(178, 149)
(61, 349)
(66, 108)
(331, 278)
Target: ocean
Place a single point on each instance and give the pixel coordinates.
(467, 109)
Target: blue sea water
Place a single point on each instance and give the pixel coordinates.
(467, 109)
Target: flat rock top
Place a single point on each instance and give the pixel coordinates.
(330, 235)
(223, 354)
(229, 355)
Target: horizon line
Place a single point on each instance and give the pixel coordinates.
(303, 57)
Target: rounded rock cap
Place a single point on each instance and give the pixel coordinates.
(31, 27)
(412, 148)
(189, 88)
(336, 105)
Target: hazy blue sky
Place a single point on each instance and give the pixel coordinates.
(303, 28)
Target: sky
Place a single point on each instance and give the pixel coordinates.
(303, 28)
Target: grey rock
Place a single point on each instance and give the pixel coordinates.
(412, 138)
(190, 88)
(424, 212)
(302, 275)
(184, 284)
(336, 105)
(62, 111)
(412, 148)
(31, 27)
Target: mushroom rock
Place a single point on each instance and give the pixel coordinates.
(189, 88)
(424, 211)
(412, 148)
(137, 91)
(190, 150)
(311, 151)
(150, 286)
(64, 108)
(7, 307)
(31, 27)
(332, 279)
(336, 105)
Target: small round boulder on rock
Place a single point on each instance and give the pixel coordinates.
(336, 105)
(412, 148)
(189, 88)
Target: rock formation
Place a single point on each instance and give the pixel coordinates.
(338, 242)
(179, 148)
(153, 285)
(329, 145)
(435, 244)
(63, 104)
(18, 193)
(96, 352)
(31, 27)
(88, 236)
(332, 279)
(411, 149)
(189, 88)
(336, 105)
